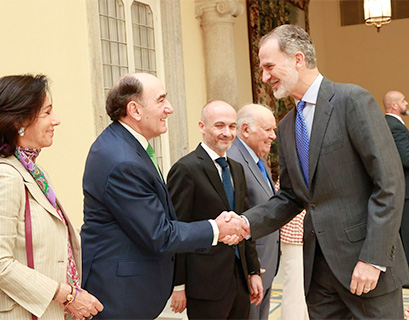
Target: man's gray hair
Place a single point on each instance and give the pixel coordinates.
(248, 115)
(291, 39)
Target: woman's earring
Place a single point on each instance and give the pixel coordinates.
(21, 131)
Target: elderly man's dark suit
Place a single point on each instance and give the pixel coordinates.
(130, 233)
(401, 136)
(197, 193)
(355, 199)
(268, 247)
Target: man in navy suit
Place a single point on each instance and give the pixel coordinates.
(255, 134)
(130, 233)
(396, 106)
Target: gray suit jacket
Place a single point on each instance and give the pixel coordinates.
(268, 247)
(355, 200)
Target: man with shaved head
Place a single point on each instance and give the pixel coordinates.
(202, 184)
(131, 233)
(396, 106)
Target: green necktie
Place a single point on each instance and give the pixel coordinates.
(151, 154)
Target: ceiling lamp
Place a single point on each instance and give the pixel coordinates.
(377, 12)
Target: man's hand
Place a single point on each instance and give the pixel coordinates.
(232, 228)
(178, 301)
(364, 278)
(256, 289)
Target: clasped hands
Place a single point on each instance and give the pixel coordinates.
(232, 228)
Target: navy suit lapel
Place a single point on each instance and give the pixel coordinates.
(323, 111)
(212, 173)
(135, 146)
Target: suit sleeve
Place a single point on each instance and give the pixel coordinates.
(372, 140)
(131, 194)
(27, 287)
(181, 189)
(400, 135)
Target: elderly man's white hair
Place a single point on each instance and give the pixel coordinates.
(249, 114)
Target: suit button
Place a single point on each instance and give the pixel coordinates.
(312, 206)
(313, 233)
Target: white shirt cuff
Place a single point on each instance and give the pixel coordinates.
(215, 232)
(248, 223)
(383, 269)
(179, 287)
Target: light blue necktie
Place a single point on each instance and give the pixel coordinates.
(227, 185)
(263, 171)
(302, 141)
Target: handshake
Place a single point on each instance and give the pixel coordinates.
(232, 228)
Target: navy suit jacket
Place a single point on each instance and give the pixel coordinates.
(130, 236)
(401, 136)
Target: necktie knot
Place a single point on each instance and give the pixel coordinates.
(300, 106)
(222, 162)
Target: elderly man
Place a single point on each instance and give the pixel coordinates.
(396, 106)
(130, 233)
(339, 161)
(202, 184)
(255, 134)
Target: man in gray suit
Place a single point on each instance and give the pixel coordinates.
(339, 161)
(396, 106)
(255, 133)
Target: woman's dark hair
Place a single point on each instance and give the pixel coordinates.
(21, 99)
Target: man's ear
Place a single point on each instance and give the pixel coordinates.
(245, 130)
(201, 126)
(299, 59)
(134, 110)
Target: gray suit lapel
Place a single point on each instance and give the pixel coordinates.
(254, 169)
(292, 149)
(323, 110)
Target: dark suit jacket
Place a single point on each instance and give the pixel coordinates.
(354, 203)
(197, 193)
(268, 247)
(130, 236)
(401, 136)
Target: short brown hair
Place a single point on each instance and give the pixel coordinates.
(126, 89)
(292, 38)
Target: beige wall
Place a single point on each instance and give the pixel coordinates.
(195, 76)
(359, 54)
(49, 37)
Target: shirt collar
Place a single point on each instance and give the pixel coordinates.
(142, 140)
(213, 155)
(312, 93)
(396, 116)
(253, 155)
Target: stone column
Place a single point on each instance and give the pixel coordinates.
(216, 20)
